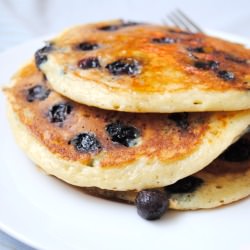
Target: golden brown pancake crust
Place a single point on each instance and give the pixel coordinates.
(162, 137)
(173, 66)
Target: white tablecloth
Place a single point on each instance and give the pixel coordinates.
(22, 20)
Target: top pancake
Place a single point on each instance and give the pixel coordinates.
(87, 146)
(133, 67)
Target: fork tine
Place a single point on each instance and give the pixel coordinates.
(176, 24)
(188, 20)
(180, 20)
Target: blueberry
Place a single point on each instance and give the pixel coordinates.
(207, 65)
(186, 185)
(86, 142)
(41, 55)
(59, 112)
(109, 27)
(127, 66)
(115, 27)
(151, 204)
(37, 92)
(129, 23)
(122, 134)
(196, 49)
(226, 75)
(89, 63)
(181, 119)
(235, 59)
(164, 40)
(237, 152)
(85, 46)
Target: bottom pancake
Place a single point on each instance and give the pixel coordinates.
(225, 180)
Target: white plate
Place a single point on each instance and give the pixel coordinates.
(48, 214)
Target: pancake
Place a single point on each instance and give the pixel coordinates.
(87, 146)
(225, 180)
(134, 67)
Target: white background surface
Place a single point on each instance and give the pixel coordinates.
(22, 20)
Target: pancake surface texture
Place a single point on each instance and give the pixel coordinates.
(87, 146)
(137, 67)
(225, 180)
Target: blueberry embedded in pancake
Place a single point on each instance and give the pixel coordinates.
(86, 46)
(87, 146)
(126, 64)
(123, 134)
(59, 112)
(208, 65)
(41, 54)
(89, 63)
(235, 159)
(181, 119)
(238, 152)
(86, 142)
(226, 75)
(164, 40)
(197, 49)
(37, 92)
(121, 24)
(186, 185)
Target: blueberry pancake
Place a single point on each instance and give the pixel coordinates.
(136, 67)
(225, 180)
(87, 146)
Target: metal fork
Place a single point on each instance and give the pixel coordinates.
(182, 21)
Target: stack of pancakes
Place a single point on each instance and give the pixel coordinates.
(148, 114)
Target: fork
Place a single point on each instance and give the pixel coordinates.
(182, 21)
